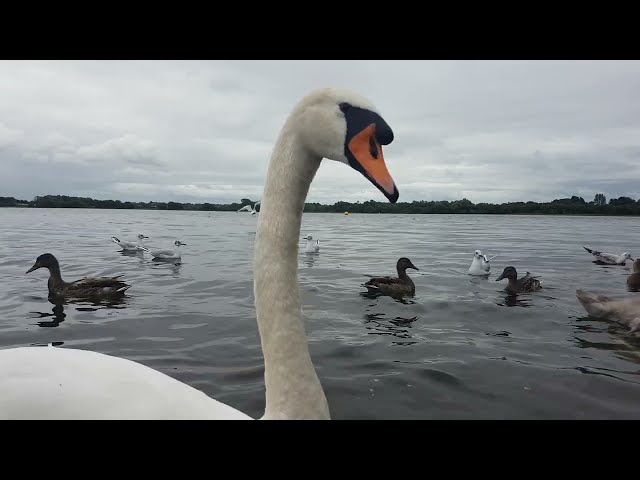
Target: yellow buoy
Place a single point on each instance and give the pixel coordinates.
(346, 213)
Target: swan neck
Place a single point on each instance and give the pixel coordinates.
(293, 390)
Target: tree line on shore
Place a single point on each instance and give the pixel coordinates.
(562, 206)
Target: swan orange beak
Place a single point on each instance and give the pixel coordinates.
(367, 152)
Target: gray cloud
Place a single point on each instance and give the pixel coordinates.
(202, 131)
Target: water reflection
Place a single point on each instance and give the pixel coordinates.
(397, 327)
(58, 315)
(173, 265)
(310, 259)
(514, 300)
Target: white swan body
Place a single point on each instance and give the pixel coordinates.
(609, 258)
(175, 254)
(129, 246)
(480, 264)
(311, 247)
(64, 383)
(53, 382)
(625, 311)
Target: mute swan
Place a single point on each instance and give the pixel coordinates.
(480, 264)
(52, 382)
(609, 258)
(633, 280)
(87, 287)
(166, 254)
(625, 311)
(527, 283)
(394, 286)
(129, 245)
(311, 247)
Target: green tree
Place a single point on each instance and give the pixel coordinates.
(600, 199)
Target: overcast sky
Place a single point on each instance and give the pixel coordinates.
(202, 131)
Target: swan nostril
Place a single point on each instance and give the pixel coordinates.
(373, 148)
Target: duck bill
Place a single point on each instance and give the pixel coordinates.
(500, 277)
(365, 155)
(35, 267)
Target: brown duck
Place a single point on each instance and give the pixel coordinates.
(633, 280)
(87, 287)
(527, 283)
(394, 286)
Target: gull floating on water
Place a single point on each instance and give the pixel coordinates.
(480, 264)
(126, 245)
(167, 254)
(609, 258)
(311, 247)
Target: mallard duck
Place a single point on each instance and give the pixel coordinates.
(311, 247)
(625, 311)
(609, 258)
(129, 246)
(633, 280)
(86, 287)
(527, 283)
(480, 264)
(400, 285)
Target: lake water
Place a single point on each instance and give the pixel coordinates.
(461, 349)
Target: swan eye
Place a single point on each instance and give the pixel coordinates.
(345, 107)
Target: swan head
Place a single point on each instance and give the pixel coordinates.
(308, 238)
(177, 243)
(627, 256)
(141, 236)
(508, 272)
(477, 254)
(46, 260)
(343, 126)
(404, 263)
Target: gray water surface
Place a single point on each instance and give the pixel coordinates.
(460, 349)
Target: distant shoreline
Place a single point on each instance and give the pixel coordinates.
(574, 206)
(531, 214)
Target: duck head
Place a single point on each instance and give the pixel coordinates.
(636, 265)
(404, 263)
(627, 256)
(508, 272)
(46, 260)
(178, 243)
(141, 236)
